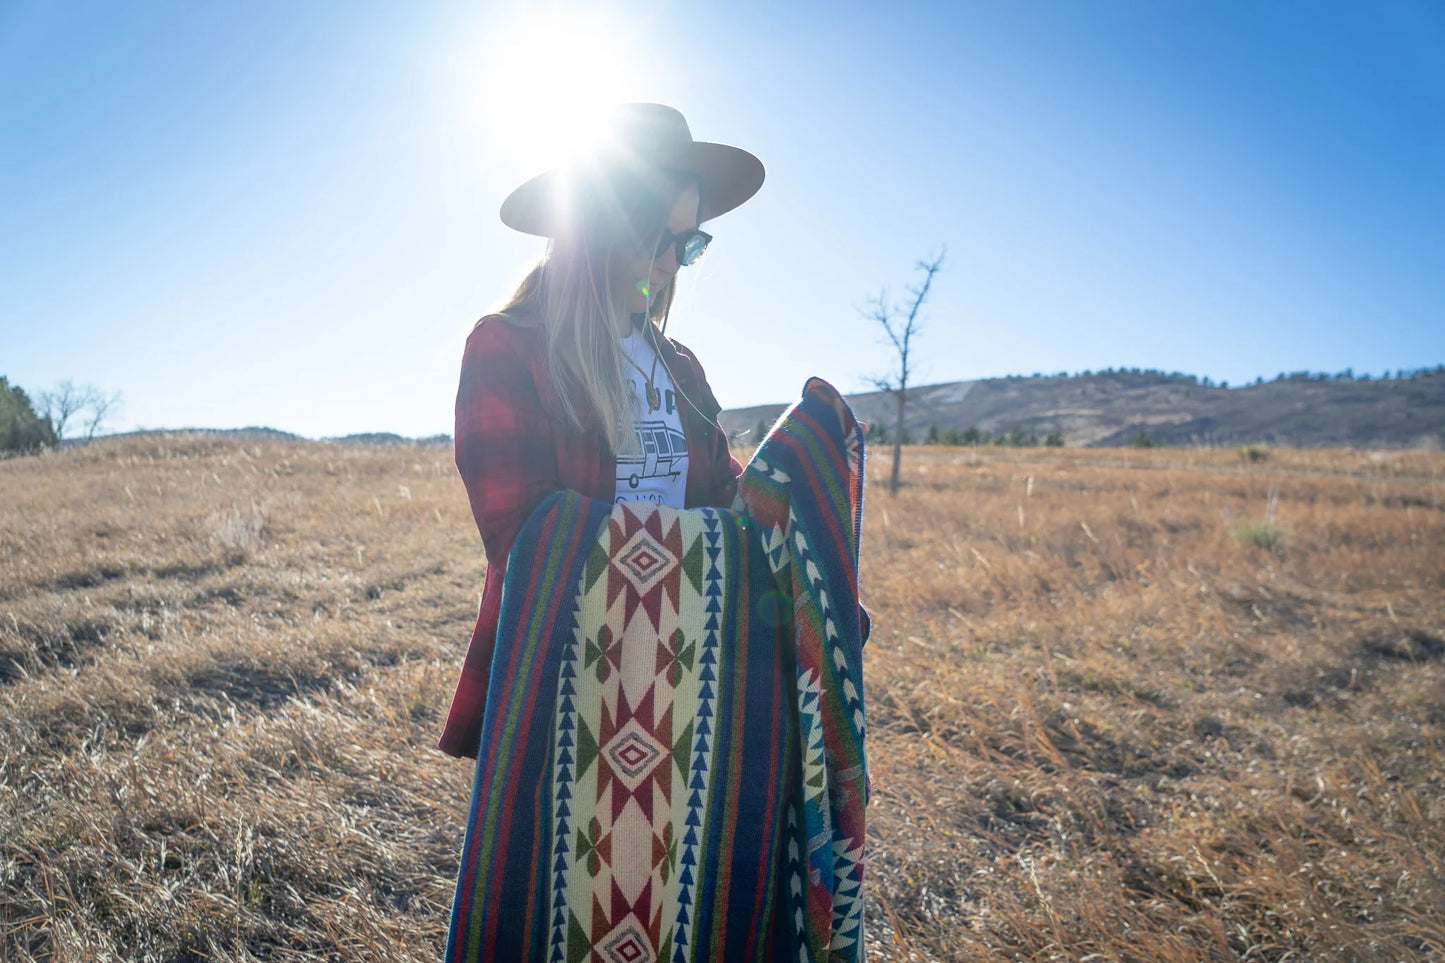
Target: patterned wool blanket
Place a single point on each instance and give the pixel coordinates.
(671, 763)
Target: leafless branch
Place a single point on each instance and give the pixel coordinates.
(900, 322)
(101, 407)
(70, 402)
(62, 404)
(881, 310)
(882, 383)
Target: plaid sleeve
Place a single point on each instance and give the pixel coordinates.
(508, 463)
(504, 448)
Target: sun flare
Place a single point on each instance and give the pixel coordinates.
(548, 73)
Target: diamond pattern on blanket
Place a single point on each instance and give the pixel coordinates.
(644, 561)
(633, 775)
(633, 752)
(627, 943)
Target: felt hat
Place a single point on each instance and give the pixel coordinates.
(636, 140)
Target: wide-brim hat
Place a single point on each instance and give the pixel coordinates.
(637, 139)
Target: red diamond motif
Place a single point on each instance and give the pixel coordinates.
(633, 754)
(644, 561)
(628, 946)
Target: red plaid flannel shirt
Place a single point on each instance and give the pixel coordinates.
(514, 447)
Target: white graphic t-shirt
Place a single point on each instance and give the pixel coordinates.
(659, 473)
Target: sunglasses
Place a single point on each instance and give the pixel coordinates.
(688, 246)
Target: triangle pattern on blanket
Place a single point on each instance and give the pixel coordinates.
(645, 559)
(643, 759)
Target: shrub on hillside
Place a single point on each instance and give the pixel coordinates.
(1253, 452)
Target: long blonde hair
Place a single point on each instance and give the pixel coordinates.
(570, 290)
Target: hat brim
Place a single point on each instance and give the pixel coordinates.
(727, 177)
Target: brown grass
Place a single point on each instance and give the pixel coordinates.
(1104, 724)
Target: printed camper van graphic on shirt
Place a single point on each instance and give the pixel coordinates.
(656, 471)
(664, 450)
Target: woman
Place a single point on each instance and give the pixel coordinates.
(666, 710)
(548, 384)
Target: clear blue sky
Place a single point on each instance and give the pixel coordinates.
(284, 214)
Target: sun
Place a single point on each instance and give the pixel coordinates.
(547, 74)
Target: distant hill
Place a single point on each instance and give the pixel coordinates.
(387, 438)
(272, 434)
(251, 433)
(1110, 408)
(1107, 408)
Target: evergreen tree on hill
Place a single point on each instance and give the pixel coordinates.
(21, 429)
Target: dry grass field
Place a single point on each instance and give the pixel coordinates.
(1124, 705)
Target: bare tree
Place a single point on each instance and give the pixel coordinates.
(102, 406)
(71, 402)
(900, 322)
(62, 404)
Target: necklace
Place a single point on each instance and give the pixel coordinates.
(654, 396)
